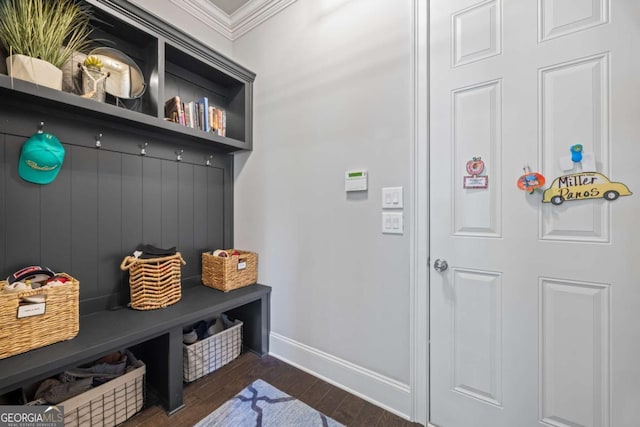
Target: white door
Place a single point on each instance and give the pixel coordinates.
(536, 320)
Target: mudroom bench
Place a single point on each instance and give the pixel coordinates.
(156, 335)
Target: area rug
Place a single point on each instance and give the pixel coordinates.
(262, 405)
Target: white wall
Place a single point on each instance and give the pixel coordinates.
(167, 11)
(333, 92)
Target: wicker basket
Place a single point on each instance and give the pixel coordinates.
(59, 321)
(204, 357)
(154, 282)
(109, 404)
(229, 273)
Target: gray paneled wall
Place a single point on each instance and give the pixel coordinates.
(107, 201)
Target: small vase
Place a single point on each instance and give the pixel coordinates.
(34, 70)
(94, 83)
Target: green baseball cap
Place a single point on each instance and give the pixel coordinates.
(41, 158)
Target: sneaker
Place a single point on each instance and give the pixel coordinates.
(215, 327)
(190, 337)
(105, 370)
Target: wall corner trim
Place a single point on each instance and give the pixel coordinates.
(382, 391)
(243, 20)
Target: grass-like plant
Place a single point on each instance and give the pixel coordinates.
(51, 30)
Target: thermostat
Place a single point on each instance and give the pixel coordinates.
(355, 180)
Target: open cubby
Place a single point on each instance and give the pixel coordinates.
(173, 64)
(192, 79)
(110, 31)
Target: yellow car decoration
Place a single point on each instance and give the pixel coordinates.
(583, 185)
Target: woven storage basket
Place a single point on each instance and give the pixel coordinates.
(204, 357)
(154, 282)
(109, 404)
(229, 273)
(59, 322)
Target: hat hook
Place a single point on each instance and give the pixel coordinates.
(98, 138)
(143, 148)
(179, 155)
(209, 160)
(41, 127)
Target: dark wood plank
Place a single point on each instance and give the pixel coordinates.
(206, 394)
(331, 401)
(368, 416)
(349, 410)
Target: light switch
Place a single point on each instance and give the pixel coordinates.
(392, 198)
(392, 223)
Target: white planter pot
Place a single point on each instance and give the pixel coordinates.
(34, 70)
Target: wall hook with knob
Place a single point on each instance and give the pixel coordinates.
(208, 163)
(143, 148)
(41, 127)
(179, 155)
(98, 142)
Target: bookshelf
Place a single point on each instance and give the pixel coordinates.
(173, 64)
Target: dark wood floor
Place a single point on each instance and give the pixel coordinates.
(206, 394)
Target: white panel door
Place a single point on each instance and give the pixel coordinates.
(536, 320)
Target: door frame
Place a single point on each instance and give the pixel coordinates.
(419, 236)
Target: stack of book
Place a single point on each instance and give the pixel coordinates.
(197, 115)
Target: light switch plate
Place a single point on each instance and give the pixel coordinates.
(392, 223)
(392, 198)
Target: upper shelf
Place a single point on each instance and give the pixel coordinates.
(173, 64)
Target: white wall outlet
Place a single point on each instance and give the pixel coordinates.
(392, 223)
(392, 198)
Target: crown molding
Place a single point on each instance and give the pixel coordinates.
(243, 20)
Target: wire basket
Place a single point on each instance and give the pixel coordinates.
(154, 282)
(204, 357)
(109, 404)
(27, 326)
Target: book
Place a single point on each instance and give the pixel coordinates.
(173, 109)
(205, 126)
(188, 114)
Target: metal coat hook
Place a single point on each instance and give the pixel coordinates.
(143, 148)
(209, 160)
(41, 127)
(98, 138)
(179, 155)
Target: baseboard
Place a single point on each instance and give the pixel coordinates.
(382, 391)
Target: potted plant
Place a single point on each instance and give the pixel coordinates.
(41, 35)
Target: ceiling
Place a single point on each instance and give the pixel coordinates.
(229, 6)
(232, 18)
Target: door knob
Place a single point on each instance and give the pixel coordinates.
(440, 265)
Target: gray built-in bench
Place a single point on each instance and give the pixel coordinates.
(157, 335)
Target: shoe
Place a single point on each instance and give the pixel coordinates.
(201, 329)
(215, 327)
(105, 370)
(189, 337)
(226, 322)
(59, 392)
